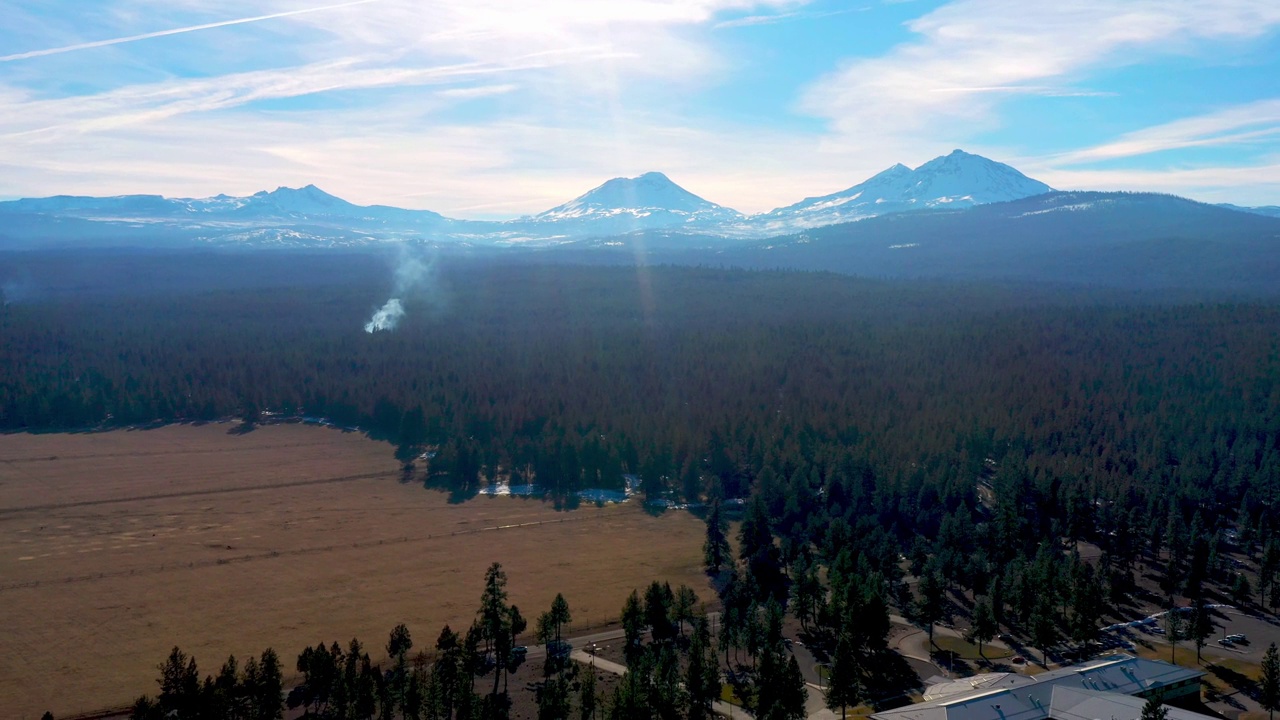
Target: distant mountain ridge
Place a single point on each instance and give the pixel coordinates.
(283, 202)
(1126, 240)
(1268, 210)
(649, 205)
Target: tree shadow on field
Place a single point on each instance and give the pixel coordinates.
(888, 676)
(1239, 681)
(458, 494)
(952, 661)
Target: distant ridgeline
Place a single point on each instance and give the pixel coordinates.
(860, 413)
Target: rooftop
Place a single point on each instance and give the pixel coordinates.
(1058, 694)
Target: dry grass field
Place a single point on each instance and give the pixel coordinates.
(114, 547)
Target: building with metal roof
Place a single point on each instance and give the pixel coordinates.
(1112, 688)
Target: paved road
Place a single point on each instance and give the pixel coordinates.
(581, 641)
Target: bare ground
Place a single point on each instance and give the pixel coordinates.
(114, 547)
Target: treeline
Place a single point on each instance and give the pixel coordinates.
(254, 692)
(672, 674)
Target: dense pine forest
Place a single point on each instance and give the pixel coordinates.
(962, 429)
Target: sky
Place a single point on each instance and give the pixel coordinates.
(492, 109)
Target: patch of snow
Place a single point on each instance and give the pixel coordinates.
(1075, 207)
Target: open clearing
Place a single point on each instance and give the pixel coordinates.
(114, 547)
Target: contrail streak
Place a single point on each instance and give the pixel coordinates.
(175, 31)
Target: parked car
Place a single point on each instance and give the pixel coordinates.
(1226, 642)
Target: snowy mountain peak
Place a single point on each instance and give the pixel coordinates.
(650, 190)
(961, 176)
(652, 177)
(308, 200)
(646, 201)
(956, 180)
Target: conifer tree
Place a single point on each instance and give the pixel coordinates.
(702, 676)
(587, 700)
(843, 687)
(1154, 710)
(1201, 627)
(715, 551)
(929, 606)
(1269, 692)
(984, 624)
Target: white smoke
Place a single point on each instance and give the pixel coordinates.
(414, 277)
(386, 318)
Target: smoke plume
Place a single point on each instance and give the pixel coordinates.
(414, 277)
(386, 318)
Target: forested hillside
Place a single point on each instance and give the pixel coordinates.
(692, 375)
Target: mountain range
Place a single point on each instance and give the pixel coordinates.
(309, 216)
(959, 216)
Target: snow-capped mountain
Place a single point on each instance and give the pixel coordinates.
(622, 205)
(284, 217)
(309, 200)
(958, 180)
(650, 208)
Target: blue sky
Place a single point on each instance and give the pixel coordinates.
(481, 108)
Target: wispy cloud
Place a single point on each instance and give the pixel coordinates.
(149, 103)
(1009, 47)
(478, 91)
(1044, 90)
(1252, 184)
(1240, 124)
(750, 20)
(175, 31)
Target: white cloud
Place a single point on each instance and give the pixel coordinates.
(1239, 124)
(152, 102)
(1254, 184)
(945, 78)
(750, 20)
